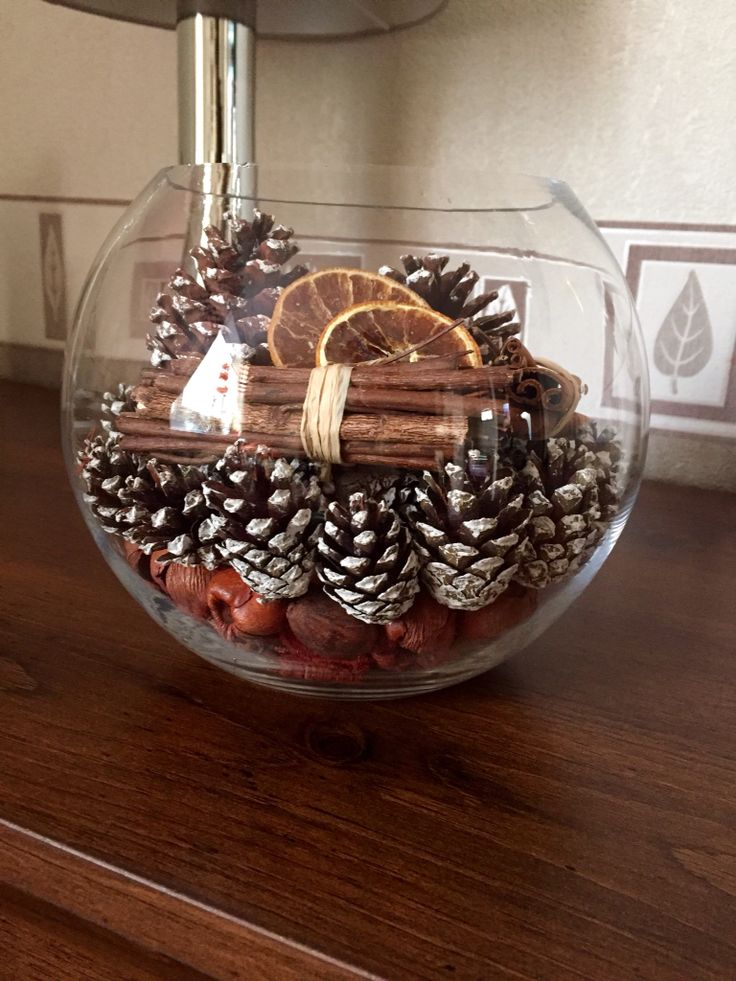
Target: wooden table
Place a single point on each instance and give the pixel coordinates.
(569, 815)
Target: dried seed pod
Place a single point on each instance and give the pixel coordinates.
(137, 560)
(510, 609)
(427, 628)
(187, 586)
(387, 657)
(326, 629)
(238, 612)
(157, 569)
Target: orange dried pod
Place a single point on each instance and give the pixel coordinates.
(157, 569)
(187, 586)
(426, 628)
(323, 627)
(136, 559)
(511, 608)
(236, 611)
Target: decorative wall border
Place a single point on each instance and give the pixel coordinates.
(663, 251)
(65, 199)
(53, 275)
(638, 254)
(666, 226)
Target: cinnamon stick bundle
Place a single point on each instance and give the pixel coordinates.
(381, 439)
(405, 414)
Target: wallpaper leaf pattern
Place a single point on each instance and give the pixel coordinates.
(684, 342)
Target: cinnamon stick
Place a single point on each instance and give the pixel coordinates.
(368, 457)
(377, 399)
(167, 443)
(170, 383)
(398, 376)
(152, 402)
(380, 450)
(422, 430)
(137, 424)
(156, 402)
(145, 434)
(183, 459)
(184, 366)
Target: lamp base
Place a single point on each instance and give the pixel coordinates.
(275, 18)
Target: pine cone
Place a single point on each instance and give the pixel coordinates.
(242, 277)
(187, 322)
(466, 525)
(113, 403)
(607, 450)
(156, 506)
(365, 560)
(165, 510)
(381, 483)
(449, 293)
(105, 469)
(264, 519)
(564, 487)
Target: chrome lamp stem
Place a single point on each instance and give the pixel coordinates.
(216, 79)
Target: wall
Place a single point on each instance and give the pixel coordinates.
(631, 102)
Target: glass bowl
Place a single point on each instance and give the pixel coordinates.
(353, 432)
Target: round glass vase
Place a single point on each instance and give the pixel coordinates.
(360, 433)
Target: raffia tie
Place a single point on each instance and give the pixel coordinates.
(324, 405)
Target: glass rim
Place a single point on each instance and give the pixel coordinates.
(382, 187)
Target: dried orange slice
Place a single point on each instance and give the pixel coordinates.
(306, 306)
(369, 331)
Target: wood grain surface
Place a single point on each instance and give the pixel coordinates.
(568, 815)
(42, 941)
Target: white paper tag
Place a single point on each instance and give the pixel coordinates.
(209, 402)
